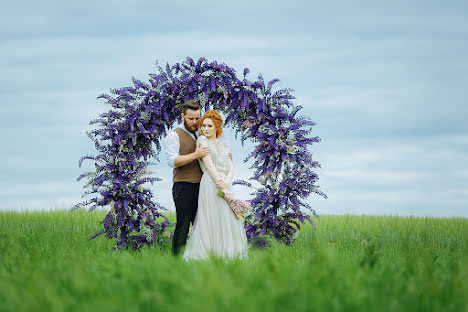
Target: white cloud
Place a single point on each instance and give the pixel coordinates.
(46, 188)
(384, 82)
(340, 100)
(60, 203)
(385, 177)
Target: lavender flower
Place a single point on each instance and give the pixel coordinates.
(141, 115)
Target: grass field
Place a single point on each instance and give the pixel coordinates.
(349, 263)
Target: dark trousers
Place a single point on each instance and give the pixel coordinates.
(185, 195)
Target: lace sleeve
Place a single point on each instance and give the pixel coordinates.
(201, 138)
(225, 145)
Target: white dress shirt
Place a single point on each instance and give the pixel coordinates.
(172, 145)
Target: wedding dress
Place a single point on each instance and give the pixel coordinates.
(216, 230)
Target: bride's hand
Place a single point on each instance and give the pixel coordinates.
(221, 184)
(227, 195)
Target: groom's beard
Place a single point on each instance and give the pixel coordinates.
(192, 128)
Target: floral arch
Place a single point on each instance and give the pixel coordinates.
(129, 134)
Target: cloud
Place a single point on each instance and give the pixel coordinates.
(412, 176)
(385, 83)
(35, 189)
(39, 196)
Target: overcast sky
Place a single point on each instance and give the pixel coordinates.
(385, 83)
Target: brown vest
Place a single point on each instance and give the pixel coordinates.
(190, 172)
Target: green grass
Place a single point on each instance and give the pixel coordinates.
(349, 263)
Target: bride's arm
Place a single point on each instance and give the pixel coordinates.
(230, 174)
(211, 169)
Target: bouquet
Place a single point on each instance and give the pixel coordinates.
(238, 206)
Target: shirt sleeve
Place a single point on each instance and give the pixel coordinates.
(172, 145)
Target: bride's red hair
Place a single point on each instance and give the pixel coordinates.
(216, 118)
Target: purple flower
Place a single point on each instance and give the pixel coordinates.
(142, 114)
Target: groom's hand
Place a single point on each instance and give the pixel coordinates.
(201, 152)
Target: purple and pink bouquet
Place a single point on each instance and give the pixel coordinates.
(238, 206)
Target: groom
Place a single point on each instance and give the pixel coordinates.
(182, 154)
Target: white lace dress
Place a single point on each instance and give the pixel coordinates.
(216, 230)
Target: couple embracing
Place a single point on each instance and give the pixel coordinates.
(202, 165)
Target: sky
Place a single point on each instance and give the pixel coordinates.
(385, 82)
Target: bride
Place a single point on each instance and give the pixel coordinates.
(216, 230)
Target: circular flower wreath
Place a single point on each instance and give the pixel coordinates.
(129, 135)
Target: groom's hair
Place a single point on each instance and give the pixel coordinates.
(190, 104)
